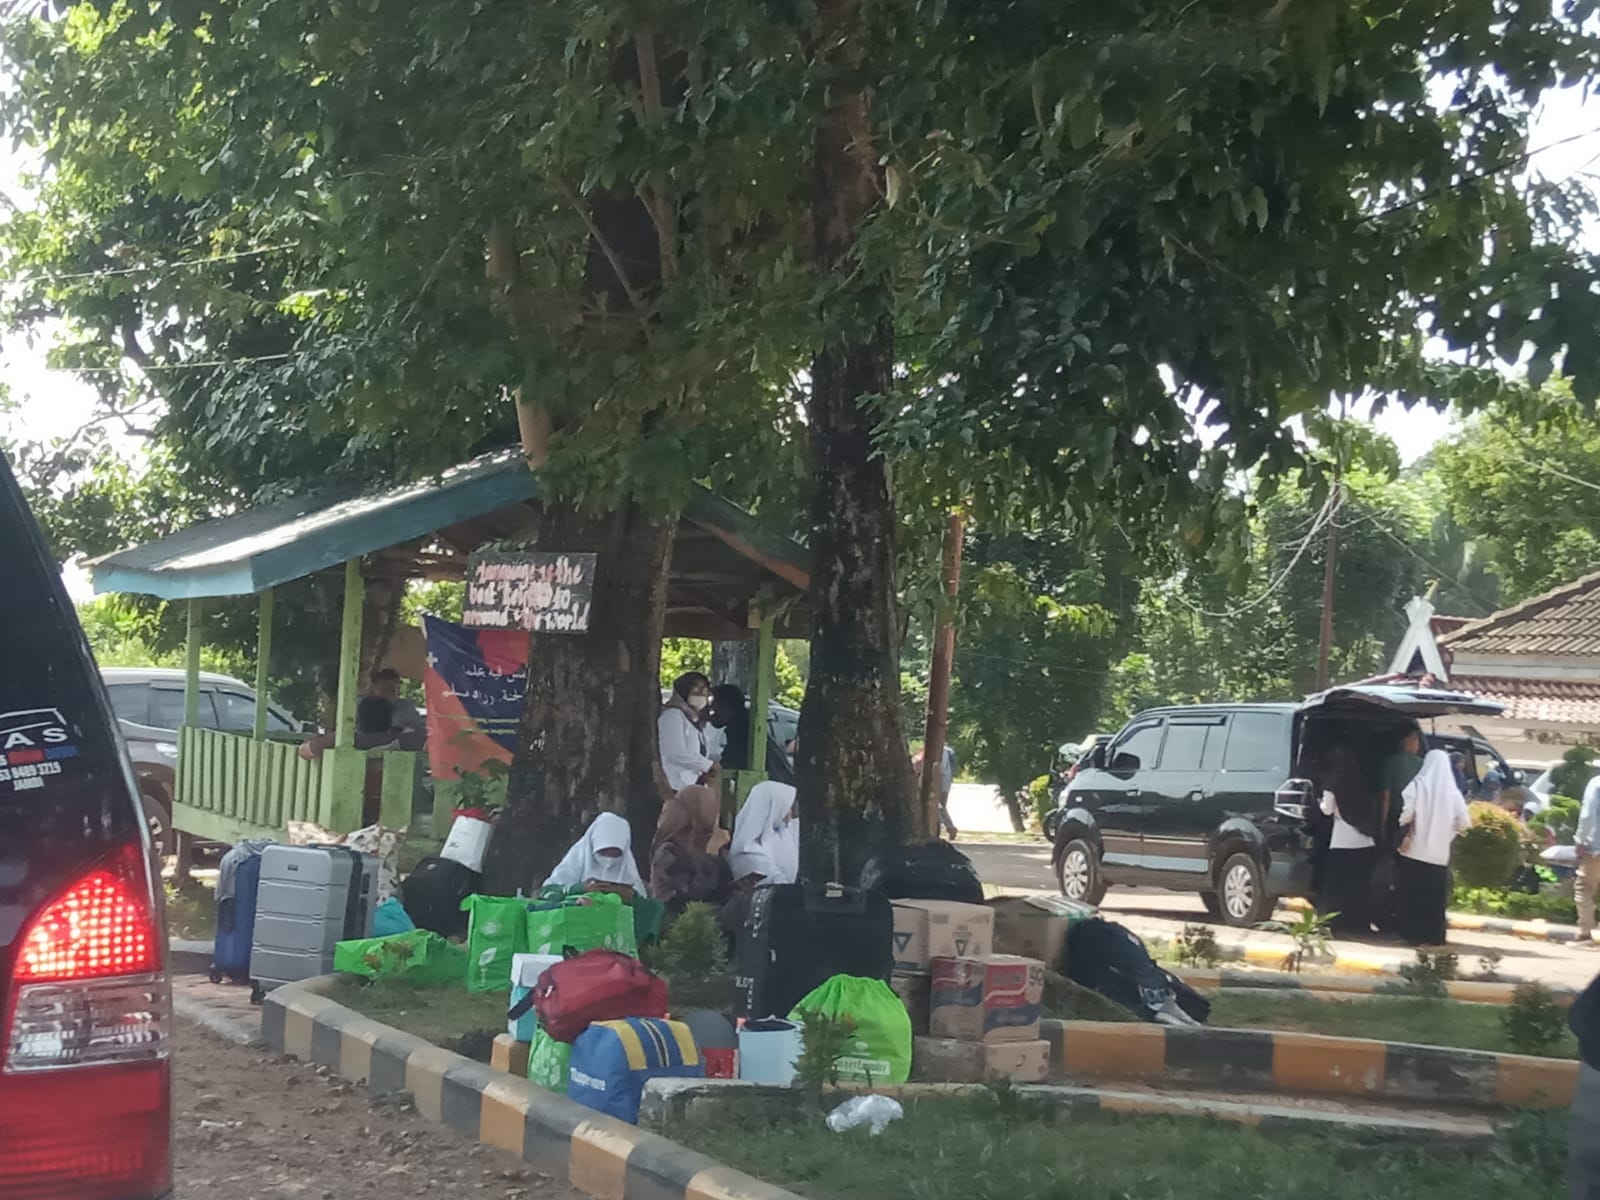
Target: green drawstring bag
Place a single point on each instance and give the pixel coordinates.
(416, 956)
(879, 1051)
(648, 914)
(496, 929)
(592, 921)
(549, 1062)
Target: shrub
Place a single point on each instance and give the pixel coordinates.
(1039, 801)
(1489, 853)
(1572, 776)
(1559, 822)
(1534, 1022)
(693, 950)
(823, 1041)
(1429, 974)
(1516, 906)
(1197, 947)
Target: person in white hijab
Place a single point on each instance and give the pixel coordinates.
(602, 859)
(1435, 814)
(766, 837)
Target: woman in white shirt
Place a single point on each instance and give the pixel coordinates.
(681, 733)
(1435, 814)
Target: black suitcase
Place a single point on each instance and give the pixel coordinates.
(433, 892)
(1111, 959)
(797, 936)
(937, 871)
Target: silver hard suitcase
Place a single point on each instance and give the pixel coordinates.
(310, 899)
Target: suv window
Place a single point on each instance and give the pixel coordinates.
(130, 701)
(1137, 749)
(166, 708)
(1255, 742)
(1185, 747)
(235, 711)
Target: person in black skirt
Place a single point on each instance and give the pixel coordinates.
(1347, 869)
(1434, 815)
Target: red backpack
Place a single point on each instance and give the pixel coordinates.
(597, 985)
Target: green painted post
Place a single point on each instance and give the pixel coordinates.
(344, 729)
(263, 654)
(766, 686)
(191, 668)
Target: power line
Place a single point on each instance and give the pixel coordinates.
(148, 269)
(195, 364)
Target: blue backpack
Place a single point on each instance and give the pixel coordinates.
(611, 1060)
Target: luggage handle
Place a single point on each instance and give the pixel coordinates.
(521, 1008)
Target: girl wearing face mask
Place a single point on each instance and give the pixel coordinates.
(680, 731)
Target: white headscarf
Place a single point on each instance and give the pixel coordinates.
(1434, 810)
(763, 842)
(584, 861)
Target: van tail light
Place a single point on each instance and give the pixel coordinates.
(85, 1083)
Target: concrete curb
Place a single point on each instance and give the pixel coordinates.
(1270, 1061)
(218, 1023)
(599, 1155)
(1333, 987)
(1535, 930)
(670, 1101)
(1275, 956)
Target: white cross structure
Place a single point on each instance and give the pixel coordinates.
(1419, 640)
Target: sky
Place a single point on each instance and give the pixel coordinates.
(48, 403)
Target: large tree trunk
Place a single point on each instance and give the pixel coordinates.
(857, 794)
(587, 738)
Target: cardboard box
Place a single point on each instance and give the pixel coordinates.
(915, 991)
(1037, 926)
(508, 1054)
(944, 1060)
(995, 998)
(928, 929)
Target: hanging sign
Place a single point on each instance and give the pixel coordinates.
(543, 593)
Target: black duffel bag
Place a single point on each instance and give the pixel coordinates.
(935, 871)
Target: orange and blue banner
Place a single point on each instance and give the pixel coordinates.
(475, 681)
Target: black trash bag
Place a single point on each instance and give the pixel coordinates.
(936, 871)
(1111, 959)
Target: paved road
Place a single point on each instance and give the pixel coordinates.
(1018, 869)
(248, 1126)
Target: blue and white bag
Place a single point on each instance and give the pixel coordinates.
(612, 1060)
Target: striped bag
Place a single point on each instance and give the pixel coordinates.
(611, 1060)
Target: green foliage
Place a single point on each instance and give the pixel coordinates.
(1196, 946)
(1515, 905)
(1559, 820)
(485, 787)
(1573, 775)
(679, 655)
(1489, 966)
(1489, 853)
(1428, 974)
(693, 949)
(1039, 800)
(1310, 933)
(823, 1042)
(441, 598)
(1534, 1022)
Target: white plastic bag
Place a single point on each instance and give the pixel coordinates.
(467, 843)
(1561, 856)
(873, 1111)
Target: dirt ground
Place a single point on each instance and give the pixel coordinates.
(249, 1126)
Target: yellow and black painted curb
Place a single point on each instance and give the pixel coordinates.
(604, 1157)
(1250, 1060)
(1346, 987)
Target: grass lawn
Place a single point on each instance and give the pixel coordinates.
(996, 1147)
(1385, 1019)
(438, 1014)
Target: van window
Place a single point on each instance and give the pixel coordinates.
(1185, 747)
(1137, 749)
(236, 711)
(1256, 742)
(166, 708)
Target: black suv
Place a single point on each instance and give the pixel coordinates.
(85, 1078)
(1220, 798)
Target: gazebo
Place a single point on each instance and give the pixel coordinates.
(729, 580)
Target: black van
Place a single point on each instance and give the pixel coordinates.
(85, 1009)
(1220, 799)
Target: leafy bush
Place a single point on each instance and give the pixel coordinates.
(1039, 800)
(1428, 975)
(823, 1041)
(1558, 823)
(1489, 853)
(693, 949)
(1310, 931)
(1516, 906)
(1197, 946)
(1534, 1022)
(1574, 773)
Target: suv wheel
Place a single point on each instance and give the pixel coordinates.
(1242, 889)
(1078, 873)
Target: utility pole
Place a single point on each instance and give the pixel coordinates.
(936, 731)
(1329, 575)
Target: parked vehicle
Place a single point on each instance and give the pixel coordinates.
(1219, 799)
(148, 703)
(1070, 759)
(85, 1008)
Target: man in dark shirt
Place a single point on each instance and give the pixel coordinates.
(1583, 1137)
(1398, 770)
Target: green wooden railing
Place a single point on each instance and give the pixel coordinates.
(231, 786)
